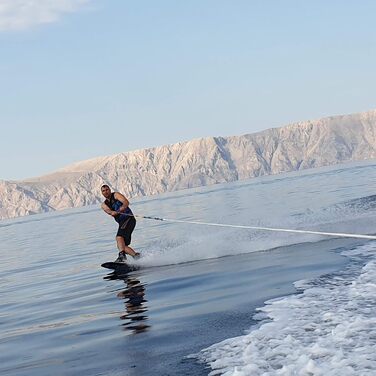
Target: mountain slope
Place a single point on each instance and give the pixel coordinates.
(195, 163)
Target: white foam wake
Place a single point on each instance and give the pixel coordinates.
(328, 329)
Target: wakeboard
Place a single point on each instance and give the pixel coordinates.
(119, 266)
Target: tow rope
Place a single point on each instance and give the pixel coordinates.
(335, 234)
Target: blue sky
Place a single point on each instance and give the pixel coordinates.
(81, 78)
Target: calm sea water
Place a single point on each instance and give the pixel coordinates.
(185, 311)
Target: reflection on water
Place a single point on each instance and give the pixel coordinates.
(58, 316)
(135, 309)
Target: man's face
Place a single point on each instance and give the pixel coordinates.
(106, 192)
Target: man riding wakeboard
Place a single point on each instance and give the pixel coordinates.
(117, 205)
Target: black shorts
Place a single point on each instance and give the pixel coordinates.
(126, 228)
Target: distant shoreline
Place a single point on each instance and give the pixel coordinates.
(201, 162)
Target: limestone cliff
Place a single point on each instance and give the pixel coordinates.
(195, 163)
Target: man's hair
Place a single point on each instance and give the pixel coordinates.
(105, 186)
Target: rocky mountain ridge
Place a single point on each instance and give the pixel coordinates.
(199, 162)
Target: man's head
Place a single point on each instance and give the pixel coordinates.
(106, 191)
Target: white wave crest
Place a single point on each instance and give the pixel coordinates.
(328, 329)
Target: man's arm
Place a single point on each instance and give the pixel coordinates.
(108, 210)
(118, 196)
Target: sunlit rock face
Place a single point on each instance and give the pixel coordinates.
(196, 163)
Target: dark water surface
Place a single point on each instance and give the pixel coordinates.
(62, 314)
(147, 322)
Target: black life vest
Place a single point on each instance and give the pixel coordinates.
(115, 205)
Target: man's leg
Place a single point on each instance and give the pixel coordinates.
(124, 248)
